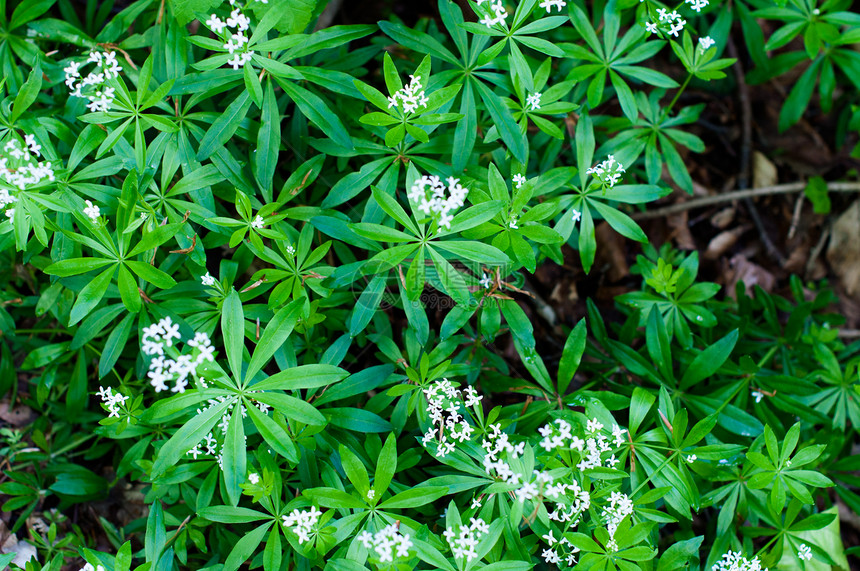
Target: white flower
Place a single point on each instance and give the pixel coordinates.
(302, 522)
(697, 5)
(91, 211)
(486, 281)
(549, 538)
(257, 222)
(519, 180)
(805, 552)
(388, 543)
(411, 96)
(533, 101)
(550, 556)
(512, 223)
(651, 27)
(691, 458)
(734, 561)
(576, 215)
(549, 4)
(706, 42)
(757, 395)
(497, 9)
(207, 280)
(371, 494)
(254, 478)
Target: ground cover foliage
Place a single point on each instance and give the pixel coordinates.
(277, 282)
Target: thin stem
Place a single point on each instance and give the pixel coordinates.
(677, 95)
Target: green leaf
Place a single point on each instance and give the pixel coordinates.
(574, 348)
(224, 126)
(91, 295)
(245, 547)
(302, 377)
(293, 408)
(29, 91)
(504, 122)
(274, 434)
(268, 139)
(276, 332)
(188, 436)
(233, 329)
(709, 361)
(234, 457)
(386, 466)
(414, 497)
(354, 470)
(816, 192)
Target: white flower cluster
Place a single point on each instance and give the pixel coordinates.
(533, 101)
(706, 43)
(559, 549)
(387, 543)
(620, 506)
(550, 4)
(112, 400)
(302, 522)
(444, 402)
(232, 31)
(207, 280)
(591, 448)
(608, 172)
(497, 443)
(669, 22)
(437, 204)
(804, 552)
(735, 561)
(19, 169)
(92, 211)
(89, 567)
(257, 222)
(496, 13)
(99, 95)
(162, 369)
(697, 5)
(465, 539)
(411, 96)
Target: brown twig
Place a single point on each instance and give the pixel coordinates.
(746, 150)
(849, 333)
(741, 194)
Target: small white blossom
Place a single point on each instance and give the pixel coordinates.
(486, 281)
(691, 458)
(91, 211)
(550, 4)
(302, 522)
(496, 14)
(576, 215)
(805, 552)
(254, 478)
(207, 280)
(257, 222)
(697, 5)
(706, 42)
(533, 101)
(519, 180)
(734, 561)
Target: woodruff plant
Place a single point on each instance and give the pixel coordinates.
(298, 281)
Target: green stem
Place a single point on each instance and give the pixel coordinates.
(677, 95)
(657, 471)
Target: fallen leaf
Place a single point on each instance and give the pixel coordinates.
(18, 416)
(843, 253)
(742, 270)
(764, 171)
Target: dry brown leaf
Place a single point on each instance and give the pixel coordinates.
(680, 225)
(722, 242)
(17, 416)
(764, 171)
(723, 218)
(843, 253)
(742, 270)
